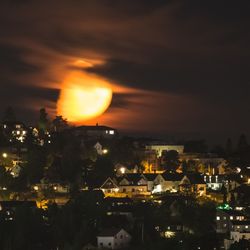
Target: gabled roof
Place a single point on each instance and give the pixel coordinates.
(172, 176)
(150, 177)
(195, 178)
(240, 222)
(109, 232)
(133, 179)
(109, 183)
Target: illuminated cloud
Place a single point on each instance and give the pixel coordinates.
(173, 66)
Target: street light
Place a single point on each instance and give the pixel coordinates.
(5, 155)
(105, 151)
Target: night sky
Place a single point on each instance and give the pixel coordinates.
(178, 68)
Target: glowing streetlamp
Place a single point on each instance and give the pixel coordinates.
(122, 169)
(5, 155)
(105, 151)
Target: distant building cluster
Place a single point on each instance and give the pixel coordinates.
(127, 172)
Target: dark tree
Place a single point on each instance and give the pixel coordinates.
(198, 146)
(229, 146)
(9, 115)
(59, 124)
(242, 144)
(43, 121)
(171, 160)
(35, 164)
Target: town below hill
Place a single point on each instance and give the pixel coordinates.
(90, 187)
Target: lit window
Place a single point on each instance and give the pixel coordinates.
(18, 132)
(246, 226)
(217, 217)
(231, 217)
(111, 132)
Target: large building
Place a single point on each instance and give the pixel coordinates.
(95, 131)
(160, 148)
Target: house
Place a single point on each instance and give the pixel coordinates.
(160, 147)
(110, 187)
(133, 185)
(113, 238)
(127, 185)
(224, 219)
(214, 182)
(95, 131)
(171, 181)
(239, 230)
(193, 184)
(154, 182)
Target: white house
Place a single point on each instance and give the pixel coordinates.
(159, 148)
(239, 230)
(113, 239)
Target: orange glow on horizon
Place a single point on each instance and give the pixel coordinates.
(83, 97)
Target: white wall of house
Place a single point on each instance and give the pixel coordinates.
(236, 236)
(120, 240)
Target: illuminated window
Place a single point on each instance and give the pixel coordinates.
(218, 218)
(246, 226)
(111, 132)
(231, 217)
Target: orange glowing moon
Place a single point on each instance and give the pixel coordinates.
(83, 97)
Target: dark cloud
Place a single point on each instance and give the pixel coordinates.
(11, 61)
(183, 49)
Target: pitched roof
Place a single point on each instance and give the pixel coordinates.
(172, 176)
(109, 232)
(150, 177)
(109, 183)
(240, 222)
(196, 179)
(133, 179)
